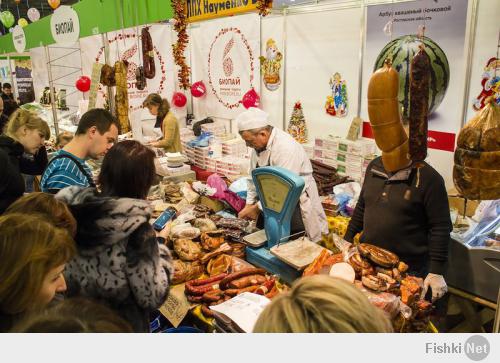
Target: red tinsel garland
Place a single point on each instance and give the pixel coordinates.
(264, 7)
(182, 42)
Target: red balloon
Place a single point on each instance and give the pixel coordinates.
(250, 99)
(83, 84)
(198, 89)
(179, 99)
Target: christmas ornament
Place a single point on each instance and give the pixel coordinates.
(270, 66)
(179, 99)
(54, 4)
(336, 104)
(83, 84)
(250, 99)
(33, 14)
(490, 82)
(7, 18)
(22, 22)
(297, 127)
(198, 89)
(182, 40)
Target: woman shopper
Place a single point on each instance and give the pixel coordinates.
(77, 315)
(118, 260)
(322, 304)
(33, 254)
(24, 134)
(53, 210)
(165, 119)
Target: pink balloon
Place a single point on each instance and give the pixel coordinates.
(198, 89)
(83, 84)
(179, 99)
(250, 99)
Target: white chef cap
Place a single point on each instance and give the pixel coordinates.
(253, 118)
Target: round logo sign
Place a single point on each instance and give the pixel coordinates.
(19, 38)
(65, 25)
(230, 67)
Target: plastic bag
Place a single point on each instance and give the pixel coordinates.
(189, 194)
(347, 196)
(204, 225)
(216, 182)
(184, 230)
(389, 303)
(204, 189)
(224, 194)
(240, 187)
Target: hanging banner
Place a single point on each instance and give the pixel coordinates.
(24, 81)
(393, 32)
(125, 46)
(209, 9)
(230, 53)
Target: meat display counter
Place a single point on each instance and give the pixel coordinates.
(474, 260)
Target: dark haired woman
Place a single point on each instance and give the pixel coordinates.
(118, 258)
(159, 107)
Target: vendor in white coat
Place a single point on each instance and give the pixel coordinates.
(273, 147)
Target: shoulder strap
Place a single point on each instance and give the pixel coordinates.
(78, 164)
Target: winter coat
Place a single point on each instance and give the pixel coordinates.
(12, 164)
(118, 260)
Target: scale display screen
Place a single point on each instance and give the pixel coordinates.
(275, 191)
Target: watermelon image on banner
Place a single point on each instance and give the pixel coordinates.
(402, 50)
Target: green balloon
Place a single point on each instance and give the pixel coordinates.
(7, 18)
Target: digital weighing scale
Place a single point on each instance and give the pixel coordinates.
(279, 192)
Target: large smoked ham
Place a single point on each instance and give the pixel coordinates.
(476, 172)
(121, 96)
(383, 111)
(420, 77)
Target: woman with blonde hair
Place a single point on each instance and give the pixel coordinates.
(33, 254)
(25, 133)
(322, 304)
(165, 119)
(53, 210)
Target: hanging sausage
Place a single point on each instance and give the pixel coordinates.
(383, 111)
(420, 73)
(148, 54)
(121, 96)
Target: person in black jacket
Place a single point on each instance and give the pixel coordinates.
(25, 133)
(3, 118)
(9, 103)
(406, 212)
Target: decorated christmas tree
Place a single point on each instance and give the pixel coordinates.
(297, 126)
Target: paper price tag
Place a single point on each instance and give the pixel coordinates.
(176, 307)
(355, 129)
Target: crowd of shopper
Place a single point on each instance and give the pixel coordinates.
(82, 256)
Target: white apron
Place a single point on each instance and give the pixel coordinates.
(283, 151)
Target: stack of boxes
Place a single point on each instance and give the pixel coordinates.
(231, 166)
(235, 147)
(216, 129)
(309, 149)
(225, 154)
(350, 158)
